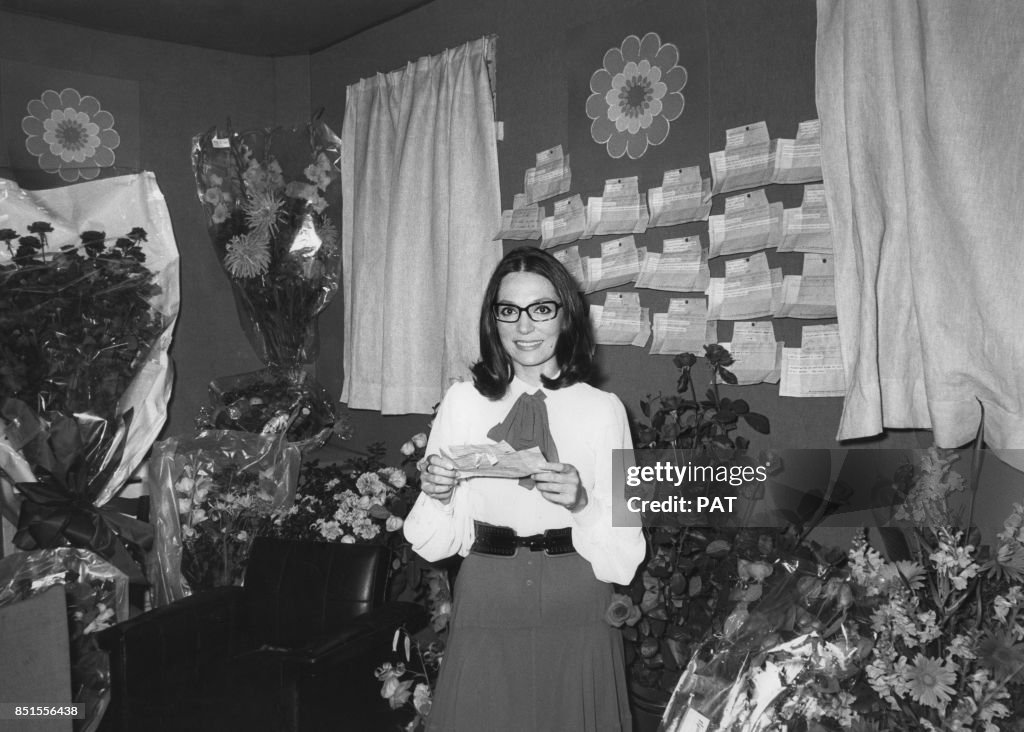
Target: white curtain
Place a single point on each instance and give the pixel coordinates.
(421, 206)
(922, 111)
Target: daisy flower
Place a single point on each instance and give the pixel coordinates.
(930, 681)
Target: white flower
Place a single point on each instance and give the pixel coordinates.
(421, 699)
(395, 476)
(348, 539)
(393, 523)
(370, 484)
(407, 448)
(330, 530)
(184, 505)
(419, 439)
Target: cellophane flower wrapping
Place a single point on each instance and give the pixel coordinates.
(271, 401)
(213, 493)
(89, 275)
(268, 196)
(787, 638)
(97, 596)
(71, 459)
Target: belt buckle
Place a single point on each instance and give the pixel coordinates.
(536, 543)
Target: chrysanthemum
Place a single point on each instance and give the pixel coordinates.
(930, 681)
(247, 256)
(263, 212)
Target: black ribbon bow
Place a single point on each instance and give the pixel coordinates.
(72, 465)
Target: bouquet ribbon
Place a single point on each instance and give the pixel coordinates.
(73, 459)
(51, 516)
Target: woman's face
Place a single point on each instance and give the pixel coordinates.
(530, 345)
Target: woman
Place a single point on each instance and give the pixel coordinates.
(529, 648)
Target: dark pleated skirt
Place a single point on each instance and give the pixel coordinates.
(530, 651)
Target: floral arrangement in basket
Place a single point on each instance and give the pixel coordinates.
(930, 637)
(266, 194)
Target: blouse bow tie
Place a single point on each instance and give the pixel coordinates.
(526, 426)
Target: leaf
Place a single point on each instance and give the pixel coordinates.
(758, 422)
(671, 403)
(669, 431)
(724, 416)
(727, 376)
(645, 407)
(646, 435)
(684, 381)
(740, 406)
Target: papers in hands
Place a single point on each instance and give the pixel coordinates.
(494, 461)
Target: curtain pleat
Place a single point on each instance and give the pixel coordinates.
(922, 118)
(421, 206)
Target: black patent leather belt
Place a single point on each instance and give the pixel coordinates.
(502, 541)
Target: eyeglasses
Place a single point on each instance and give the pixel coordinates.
(538, 311)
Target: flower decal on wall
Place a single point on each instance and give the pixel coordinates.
(636, 94)
(71, 135)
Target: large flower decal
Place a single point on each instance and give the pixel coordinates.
(637, 92)
(70, 134)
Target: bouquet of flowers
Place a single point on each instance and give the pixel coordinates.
(212, 495)
(75, 322)
(785, 632)
(930, 637)
(85, 326)
(266, 194)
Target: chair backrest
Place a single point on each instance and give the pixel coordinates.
(297, 590)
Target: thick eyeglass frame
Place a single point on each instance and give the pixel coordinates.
(529, 310)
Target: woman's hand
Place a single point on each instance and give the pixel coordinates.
(560, 484)
(438, 478)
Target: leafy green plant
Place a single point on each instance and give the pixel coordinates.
(683, 421)
(680, 594)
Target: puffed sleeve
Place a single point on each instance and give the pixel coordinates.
(613, 552)
(437, 530)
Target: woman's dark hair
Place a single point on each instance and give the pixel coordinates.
(574, 350)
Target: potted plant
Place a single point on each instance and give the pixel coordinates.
(681, 591)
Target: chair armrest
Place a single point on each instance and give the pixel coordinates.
(193, 607)
(366, 631)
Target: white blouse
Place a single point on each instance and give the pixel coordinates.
(586, 425)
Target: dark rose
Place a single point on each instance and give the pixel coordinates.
(621, 611)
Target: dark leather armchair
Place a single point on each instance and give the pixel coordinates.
(293, 650)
